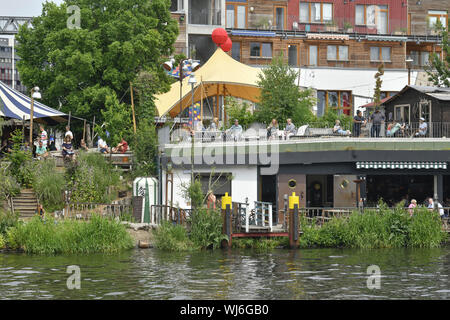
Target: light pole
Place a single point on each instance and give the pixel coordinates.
(35, 94)
(192, 81)
(408, 64)
(183, 72)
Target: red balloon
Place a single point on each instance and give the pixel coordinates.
(227, 45)
(219, 36)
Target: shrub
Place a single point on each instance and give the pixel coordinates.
(8, 220)
(48, 236)
(9, 187)
(425, 230)
(18, 159)
(49, 184)
(172, 238)
(206, 228)
(2, 242)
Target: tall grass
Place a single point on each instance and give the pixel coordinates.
(8, 219)
(49, 184)
(206, 228)
(385, 228)
(171, 237)
(48, 236)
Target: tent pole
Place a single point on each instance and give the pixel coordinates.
(84, 131)
(31, 119)
(132, 107)
(93, 128)
(70, 115)
(201, 99)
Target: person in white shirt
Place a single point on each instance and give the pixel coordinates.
(102, 146)
(44, 137)
(68, 133)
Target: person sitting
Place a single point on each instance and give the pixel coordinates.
(67, 149)
(393, 128)
(41, 151)
(83, 145)
(423, 127)
(235, 130)
(290, 129)
(52, 146)
(272, 129)
(337, 129)
(102, 146)
(122, 147)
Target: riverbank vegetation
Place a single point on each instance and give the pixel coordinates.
(50, 236)
(384, 228)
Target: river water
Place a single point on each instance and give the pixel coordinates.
(235, 274)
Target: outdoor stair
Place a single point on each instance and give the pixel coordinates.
(25, 203)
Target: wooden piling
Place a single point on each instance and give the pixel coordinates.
(226, 215)
(293, 221)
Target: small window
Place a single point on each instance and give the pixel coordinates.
(255, 48)
(292, 55)
(313, 55)
(236, 51)
(316, 12)
(263, 50)
(337, 53)
(380, 54)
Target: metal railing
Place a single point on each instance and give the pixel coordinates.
(161, 213)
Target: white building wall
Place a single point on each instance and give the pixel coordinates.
(243, 185)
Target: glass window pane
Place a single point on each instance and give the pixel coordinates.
(359, 15)
(241, 17)
(406, 114)
(370, 15)
(333, 99)
(331, 53)
(386, 54)
(236, 51)
(374, 53)
(313, 55)
(327, 11)
(304, 12)
(415, 57)
(266, 50)
(343, 53)
(382, 7)
(292, 55)
(254, 49)
(437, 12)
(345, 100)
(230, 16)
(280, 18)
(320, 103)
(425, 56)
(432, 21)
(398, 113)
(382, 25)
(443, 21)
(315, 12)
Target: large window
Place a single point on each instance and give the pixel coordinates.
(280, 17)
(337, 53)
(380, 54)
(340, 101)
(374, 16)
(420, 58)
(261, 50)
(437, 15)
(316, 12)
(236, 15)
(312, 56)
(402, 113)
(293, 55)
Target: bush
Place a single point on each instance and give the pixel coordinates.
(2, 242)
(9, 187)
(425, 230)
(18, 159)
(206, 228)
(8, 220)
(48, 236)
(91, 177)
(49, 185)
(172, 238)
(145, 146)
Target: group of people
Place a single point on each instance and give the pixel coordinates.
(44, 144)
(394, 128)
(103, 147)
(432, 205)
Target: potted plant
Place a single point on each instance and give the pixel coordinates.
(348, 27)
(331, 26)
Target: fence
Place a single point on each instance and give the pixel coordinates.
(161, 213)
(85, 210)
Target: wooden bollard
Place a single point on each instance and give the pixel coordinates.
(226, 214)
(293, 221)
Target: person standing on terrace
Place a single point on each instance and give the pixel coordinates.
(44, 137)
(236, 130)
(358, 122)
(377, 118)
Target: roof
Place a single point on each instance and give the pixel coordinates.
(438, 93)
(16, 105)
(372, 104)
(220, 75)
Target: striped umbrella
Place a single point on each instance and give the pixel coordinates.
(16, 105)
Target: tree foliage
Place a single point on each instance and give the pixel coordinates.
(85, 69)
(378, 83)
(280, 96)
(439, 69)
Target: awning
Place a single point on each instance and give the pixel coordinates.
(386, 38)
(326, 36)
(401, 165)
(246, 33)
(16, 105)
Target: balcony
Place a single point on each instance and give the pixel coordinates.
(210, 17)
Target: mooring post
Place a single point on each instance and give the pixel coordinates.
(226, 214)
(293, 221)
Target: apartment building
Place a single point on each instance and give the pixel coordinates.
(6, 65)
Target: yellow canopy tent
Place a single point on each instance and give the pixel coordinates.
(221, 75)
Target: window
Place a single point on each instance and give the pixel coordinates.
(337, 100)
(292, 55)
(401, 113)
(176, 5)
(262, 50)
(280, 18)
(420, 58)
(312, 55)
(337, 53)
(236, 51)
(236, 16)
(316, 12)
(372, 16)
(435, 15)
(380, 54)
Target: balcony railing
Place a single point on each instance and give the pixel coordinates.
(205, 16)
(314, 130)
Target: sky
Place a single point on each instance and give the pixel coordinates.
(23, 8)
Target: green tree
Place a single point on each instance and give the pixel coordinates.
(80, 69)
(438, 71)
(280, 96)
(378, 83)
(145, 148)
(238, 110)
